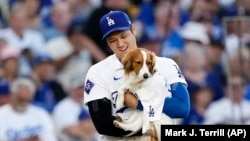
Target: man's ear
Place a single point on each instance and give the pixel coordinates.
(133, 29)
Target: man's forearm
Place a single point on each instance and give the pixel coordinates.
(178, 105)
(101, 114)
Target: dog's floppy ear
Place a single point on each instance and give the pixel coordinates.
(152, 69)
(127, 62)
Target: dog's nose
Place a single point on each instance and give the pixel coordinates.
(145, 76)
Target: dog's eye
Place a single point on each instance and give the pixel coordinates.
(149, 63)
(138, 62)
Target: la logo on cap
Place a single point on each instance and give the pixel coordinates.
(110, 21)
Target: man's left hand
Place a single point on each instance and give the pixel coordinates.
(130, 100)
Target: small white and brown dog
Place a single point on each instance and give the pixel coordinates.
(138, 66)
(142, 78)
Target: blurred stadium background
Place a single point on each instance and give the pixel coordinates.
(54, 42)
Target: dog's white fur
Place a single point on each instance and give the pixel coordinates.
(137, 82)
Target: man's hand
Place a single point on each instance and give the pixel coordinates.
(130, 100)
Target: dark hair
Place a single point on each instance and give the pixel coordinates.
(74, 28)
(216, 43)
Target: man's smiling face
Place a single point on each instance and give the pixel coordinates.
(122, 41)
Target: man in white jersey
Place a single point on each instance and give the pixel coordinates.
(105, 78)
(233, 108)
(19, 120)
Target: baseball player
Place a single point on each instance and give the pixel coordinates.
(104, 79)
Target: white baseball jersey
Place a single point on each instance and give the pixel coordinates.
(34, 122)
(224, 111)
(65, 114)
(105, 78)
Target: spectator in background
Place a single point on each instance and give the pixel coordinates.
(214, 30)
(200, 100)
(75, 55)
(239, 63)
(145, 14)
(207, 12)
(232, 108)
(4, 92)
(214, 10)
(9, 63)
(49, 90)
(196, 10)
(24, 57)
(164, 28)
(61, 16)
(214, 67)
(87, 127)
(229, 8)
(67, 111)
(20, 120)
(237, 33)
(231, 37)
(34, 20)
(5, 12)
(81, 9)
(44, 6)
(194, 32)
(245, 61)
(243, 7)
(151, 43)
(193, 64)
(18, 35)
(202, 64)
(199, 8)
(26, 61)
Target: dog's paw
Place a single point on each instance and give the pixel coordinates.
(122, 125)
(116, 123)
(118, 118)
(146, 127)
(146, 131)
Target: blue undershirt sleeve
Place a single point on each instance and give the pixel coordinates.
(178, 105)
(139, 106)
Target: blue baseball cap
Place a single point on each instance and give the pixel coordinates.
(113, 21)
(84, 114)
(42, 58)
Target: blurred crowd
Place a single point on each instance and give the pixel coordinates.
(47, 47)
